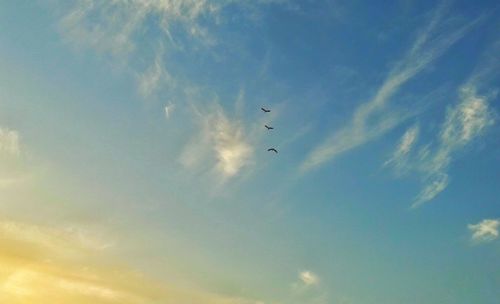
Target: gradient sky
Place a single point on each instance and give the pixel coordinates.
(133, 162)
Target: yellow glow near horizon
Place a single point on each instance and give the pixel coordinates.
(46, 265)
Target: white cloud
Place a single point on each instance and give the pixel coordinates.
(373, 118)
(484, 231)
(9, 142)
(307, 289)
(154, 76)
(232, 151)
(436, 183)
(112, 26)
(308, 278)
(463, 123)
(467, 120)
(221, 139)
(407, 142)
(116, 29)
(168, 110)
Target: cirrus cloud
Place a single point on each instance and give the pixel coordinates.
(375, 117)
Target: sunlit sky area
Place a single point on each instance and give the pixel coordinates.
(134, 162)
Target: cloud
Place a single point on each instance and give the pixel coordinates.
(9, 142)
(373, 118)
(150, 80)
(484, 231)
(463, 123)
(39, 264)
(308, 278)
(168, 110)
(116, 30)
(12, 171)
(221, 139)
(467, 120)
(307, 289)
(407, 142)
(113, 26)
(436, 183)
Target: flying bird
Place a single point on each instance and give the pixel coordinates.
(265, 110)
(268, 127)
(273, 149)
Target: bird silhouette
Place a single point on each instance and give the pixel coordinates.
(273, 149)
(265, 110)
(268, 127)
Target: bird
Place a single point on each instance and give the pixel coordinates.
(268, 127)
(265, 110)
(273, 149)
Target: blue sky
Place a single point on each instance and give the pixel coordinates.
(133, 162)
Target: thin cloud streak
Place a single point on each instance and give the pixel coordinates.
(406, 144)
(428, 46)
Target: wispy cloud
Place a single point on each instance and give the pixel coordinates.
(9, 142)
(221, 139)
(400, 156)
(307, 289)
(374, 118)
(116, 29)
(434, 184)
(463, 123)
(484, 231)
(169, 109)
(113, 26)
(308, 278)
(155, 75)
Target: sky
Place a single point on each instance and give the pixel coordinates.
(134, 164)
